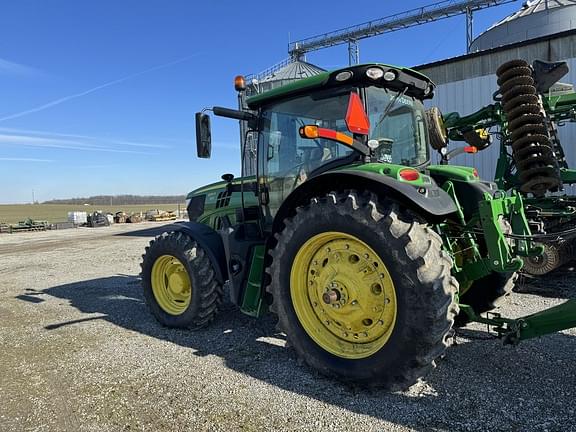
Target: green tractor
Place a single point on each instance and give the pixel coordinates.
(528, 107)
(365, 252)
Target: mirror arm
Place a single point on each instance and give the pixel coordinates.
(234, 114)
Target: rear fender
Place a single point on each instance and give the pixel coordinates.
(431, 202)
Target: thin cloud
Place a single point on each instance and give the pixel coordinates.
(12, 68)
(60, 143)
(84, 138)
(93, 89)
(7, 159)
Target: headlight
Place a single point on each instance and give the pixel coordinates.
(374, 73)
(343, 76)
(390, 75)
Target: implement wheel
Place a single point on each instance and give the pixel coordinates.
(180, 286)
(363, 290)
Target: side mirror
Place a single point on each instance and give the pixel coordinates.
(436, 129)
(203, 136)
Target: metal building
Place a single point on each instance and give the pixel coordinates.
(541, 30)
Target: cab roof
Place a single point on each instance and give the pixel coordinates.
(417, 84)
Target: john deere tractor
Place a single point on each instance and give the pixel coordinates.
(364, 251)
(528, 107)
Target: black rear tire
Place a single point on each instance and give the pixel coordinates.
(206, 292)
(420, 272)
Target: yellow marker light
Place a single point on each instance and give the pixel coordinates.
(239, 83)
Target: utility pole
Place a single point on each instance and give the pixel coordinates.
(353, 52)
(33, 200)
(469, 28)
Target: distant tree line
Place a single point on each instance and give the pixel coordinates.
(121, 200)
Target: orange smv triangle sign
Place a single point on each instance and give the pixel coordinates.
(356, 119)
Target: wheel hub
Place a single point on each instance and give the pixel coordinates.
(343, 295)
(177, 282)
(331, 297)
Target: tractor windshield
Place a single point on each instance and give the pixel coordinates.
(397, 122)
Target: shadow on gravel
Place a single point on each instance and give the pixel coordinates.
(147, 232)
(480, 385)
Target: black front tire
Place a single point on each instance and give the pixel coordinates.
(420, 270)
(206, 293)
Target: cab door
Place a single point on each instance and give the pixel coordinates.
(285, 159)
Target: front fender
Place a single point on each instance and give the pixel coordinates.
(210, 241)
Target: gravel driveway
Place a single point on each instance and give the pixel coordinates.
(80, 352)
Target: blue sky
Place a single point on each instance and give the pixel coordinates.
(99, 97)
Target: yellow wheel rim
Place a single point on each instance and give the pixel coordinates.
(343, 295)
(171, 285)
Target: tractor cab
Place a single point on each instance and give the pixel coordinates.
(368, 114)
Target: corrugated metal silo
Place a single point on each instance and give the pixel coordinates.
(535, 19)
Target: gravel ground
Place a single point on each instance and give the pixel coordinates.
(80, 352)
